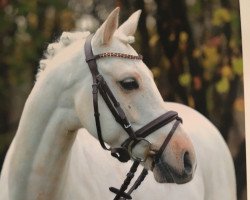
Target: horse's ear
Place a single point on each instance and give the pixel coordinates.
(104, 34)
(129, 27)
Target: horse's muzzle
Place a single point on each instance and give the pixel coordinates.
(164, 173)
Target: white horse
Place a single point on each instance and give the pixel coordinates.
(50, 159)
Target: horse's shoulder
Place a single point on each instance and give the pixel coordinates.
(204, 135)
(213, 155)
(196, 124)
(4, 175)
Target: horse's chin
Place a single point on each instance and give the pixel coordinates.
(161, 176)
(163, 173)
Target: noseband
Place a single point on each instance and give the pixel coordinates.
(124, 152)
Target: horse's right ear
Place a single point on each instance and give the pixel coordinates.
(105, 33)
(129, 27)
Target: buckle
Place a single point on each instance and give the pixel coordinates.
(139, 156)
(90, 58)
(127, 126)
(99, 77)
(94, 88)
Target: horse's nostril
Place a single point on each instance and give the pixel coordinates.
(187, 163)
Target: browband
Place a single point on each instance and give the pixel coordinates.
(112, 54)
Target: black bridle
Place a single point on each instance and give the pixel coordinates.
(124, 152)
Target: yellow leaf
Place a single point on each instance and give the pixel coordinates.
(220, 16)
(222, 86)
(183, 37)
(32, 20)
(239, 104)
(237, 66)
(211, 57)
(156, 72)
(185, 79)
(66, 20)
(226, 71)
(164, 63)
(153, 40)
(196, 53)
(191, 102)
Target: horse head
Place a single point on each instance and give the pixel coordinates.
(131, 83)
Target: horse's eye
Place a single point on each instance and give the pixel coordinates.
(129, 84)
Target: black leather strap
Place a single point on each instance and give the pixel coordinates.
(121, 192)
(157, 123)
(95, 87)
(154, 125)
(99, 84)
(166, 141)
(115, 108)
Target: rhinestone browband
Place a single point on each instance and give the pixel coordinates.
(120, 55)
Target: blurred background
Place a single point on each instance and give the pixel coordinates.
(193, 48)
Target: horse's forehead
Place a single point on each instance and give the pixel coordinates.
(121, 67)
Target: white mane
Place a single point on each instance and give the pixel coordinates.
(65, 40)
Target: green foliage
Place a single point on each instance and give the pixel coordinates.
(211, 57)
(25, 29)
(237, 66)
(221, 16)
(222, 86)
(216, 61)
(185, 79)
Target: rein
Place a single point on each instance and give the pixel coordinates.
(125, 151)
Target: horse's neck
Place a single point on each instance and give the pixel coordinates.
(42, 144)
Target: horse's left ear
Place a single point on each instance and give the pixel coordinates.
(129, 27)
(105, 33)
